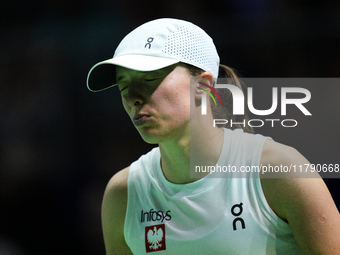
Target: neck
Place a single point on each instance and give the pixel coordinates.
(200, 147)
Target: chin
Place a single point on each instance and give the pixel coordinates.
(150, 136)
(159, 134)
(151, 140)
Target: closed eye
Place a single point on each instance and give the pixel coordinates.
(124, 88)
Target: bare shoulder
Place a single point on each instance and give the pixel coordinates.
(115, 196)
(113, 213)
(118, 182)
(275, 183)
(304, 202)
(275, 153)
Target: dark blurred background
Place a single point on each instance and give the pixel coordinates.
(60, 143)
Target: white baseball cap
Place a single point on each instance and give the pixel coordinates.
(155, 45)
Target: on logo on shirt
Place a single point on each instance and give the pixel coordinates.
(155, 238)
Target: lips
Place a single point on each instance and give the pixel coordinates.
(140, 119)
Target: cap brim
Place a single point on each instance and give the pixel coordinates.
(103, 75)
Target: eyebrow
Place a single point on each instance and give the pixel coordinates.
(118, 78)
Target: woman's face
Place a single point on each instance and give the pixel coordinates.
(158, 102)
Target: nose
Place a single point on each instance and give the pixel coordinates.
(137, 102)
(134, 98)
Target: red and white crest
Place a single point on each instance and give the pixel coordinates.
(155, 238)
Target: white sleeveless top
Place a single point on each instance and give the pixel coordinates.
(208, 216)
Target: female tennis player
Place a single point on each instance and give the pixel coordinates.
(162, 69)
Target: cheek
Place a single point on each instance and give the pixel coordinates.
(125, 105)
(177, 103)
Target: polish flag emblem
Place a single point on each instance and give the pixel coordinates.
(155, 238)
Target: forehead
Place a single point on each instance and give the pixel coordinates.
(122, 72)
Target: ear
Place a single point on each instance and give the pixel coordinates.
(204, 78)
